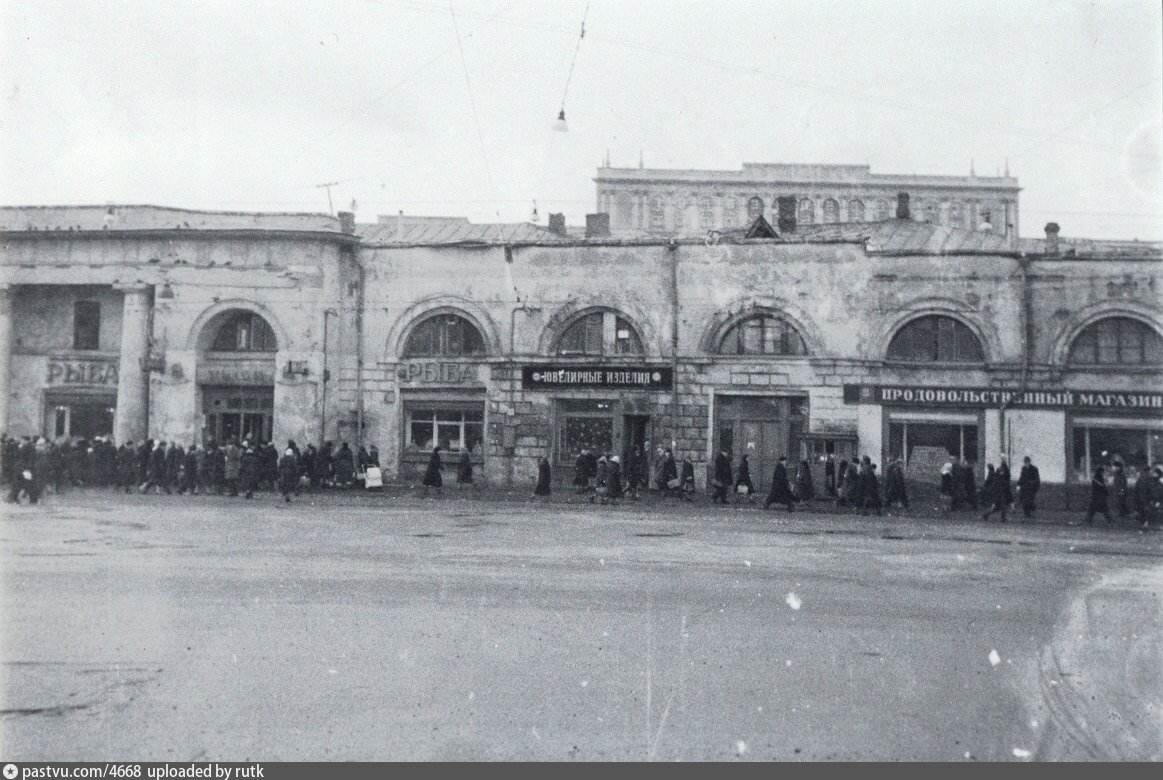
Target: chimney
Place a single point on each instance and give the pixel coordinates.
(598, 225)
(557, 224)
(1052, 238)
(902, 205)
(786, 208)
(346, 221)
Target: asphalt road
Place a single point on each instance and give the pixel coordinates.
(365, 628)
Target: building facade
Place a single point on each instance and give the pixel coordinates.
(892, 339)
(654, 201)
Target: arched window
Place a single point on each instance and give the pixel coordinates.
(86, 325)
(831, 211)
(1117, 341)
(806, 213)
(754, 208)
(763, 334)
(657, 214)
(600, 333)
(883, 210)
(244, 331)
(856, 211)
(444, 335)
(957, 214)
(935, 338)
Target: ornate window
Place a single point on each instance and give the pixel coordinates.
(657, 214)
(855, 211)
(935, 338)
(883, 210)
(86, 325)
(706, 213)
(957, 214)
(754, 208)
(806, 213)
(1117, 341)
(831, 211)
(244, 331)
(730, 212)
(444, 335)
(763, 334)
(600, 333)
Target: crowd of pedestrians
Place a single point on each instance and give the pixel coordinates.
(241, 468)
(233, 468)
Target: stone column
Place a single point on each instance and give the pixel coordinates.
(5, 352)
(131, 421)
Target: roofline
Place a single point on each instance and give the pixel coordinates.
(170, 233)
(946, 182)
(169, 208)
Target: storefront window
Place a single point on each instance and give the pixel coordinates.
(1117, 341)
(445, 335)
(1098, 445)
(763, 334)
(935, 339)
(922, 444)
(452, 429)
(585, 425)
(245, 332)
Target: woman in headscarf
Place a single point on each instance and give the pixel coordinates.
(464, 468)
(805, 488)
(743, 483)
(1098, 497)
(993, 493)
(288, 474)
(947, 486)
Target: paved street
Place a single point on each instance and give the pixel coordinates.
(367, 628)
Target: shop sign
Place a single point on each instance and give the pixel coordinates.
(438, 373)
(99, 373)
(602, 377)
(992, 397)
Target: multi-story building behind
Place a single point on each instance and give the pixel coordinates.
(656, 201)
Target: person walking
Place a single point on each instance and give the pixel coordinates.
(1029, 482)
(669, 481)
(743, 483)
(970, 477)
(1122, 493)
(544, 476)
(993, 493)
(687, 479)
(190, 471)
(432, 476)
(288, 474)
(869, 489)
(231, 467)
(175, 460)
(780, 492)
(722, 479)
(344, 466)
(126, 467)
(1148, 489)
(249, 469)
(582, 472)
(805, 487)
(830, 475)
(464, 469)
(842, 483)
(601, 478)
(1005, 479)
(895, 490)
(157, 470)
(1099, 493)
(614, 480)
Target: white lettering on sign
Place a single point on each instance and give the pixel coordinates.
(438, 373)
(99, 373)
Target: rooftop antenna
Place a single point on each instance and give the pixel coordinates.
(327, 186)
(560, 125)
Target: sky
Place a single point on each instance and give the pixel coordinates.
(446, 108)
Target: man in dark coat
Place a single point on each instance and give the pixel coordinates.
(1005, 481)
(669, 474)
(231, 467)
(805, 487)
(157, 470)
(463, 468)
(1119, 482)
(144, 454)
(722, 480)
(869, 489)
(249, 467)
(1029, 481)
(1098, 497)
(544, 476)
(830, 475)
(842, 490)
(894, 485)
(969, 475)
(24, 477)
(614, 479)
(1147, 490)
(175, 459)
(126, 467)
(432, 476)
(308, 464)
(780, 492)
(993, 494)
(583, 469)
(323, 465)
(190, 471)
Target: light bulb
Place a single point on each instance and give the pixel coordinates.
(560, 125)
